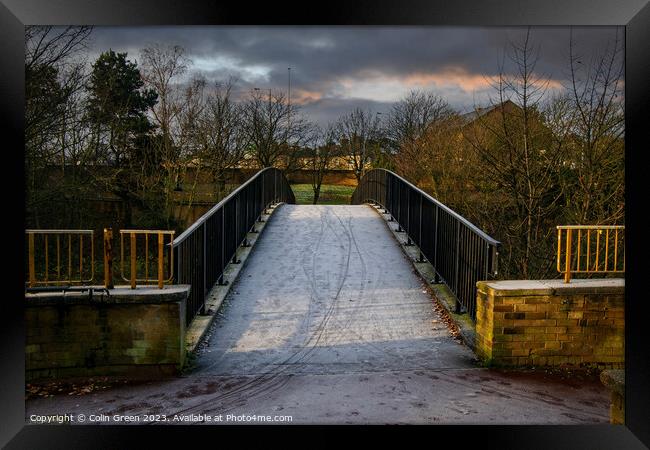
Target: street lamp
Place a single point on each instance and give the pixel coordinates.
(289, 105)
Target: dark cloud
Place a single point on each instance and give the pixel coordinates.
(334, 69)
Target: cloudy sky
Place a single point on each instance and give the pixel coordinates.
(335, 69)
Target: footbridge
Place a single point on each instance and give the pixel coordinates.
(460, 253)
(323, 318)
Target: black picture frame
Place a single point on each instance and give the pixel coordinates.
(633, 14)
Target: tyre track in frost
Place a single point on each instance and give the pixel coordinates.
(269, 381)
(250, 384)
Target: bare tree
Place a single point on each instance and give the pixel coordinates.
(320, 158)
(193, 105)
(50, 75)
(359, 134)
(162, 66)
(520, 160)
(595, 188)
(52, 80)
(276, 130)
(436, 162)
(411, 116)
(415, 130)
(222, 138)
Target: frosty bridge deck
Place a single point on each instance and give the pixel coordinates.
(327, 289)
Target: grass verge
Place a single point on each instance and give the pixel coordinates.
(330, 194)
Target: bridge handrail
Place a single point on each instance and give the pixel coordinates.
(469, 224)
(181, 237)
(460, 252)
(203, 250)
(577, 238)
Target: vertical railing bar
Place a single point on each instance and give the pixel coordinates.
(588, 249)
(487, 260)
(578, 250)
(122, 254)
(58, 257)
(146, 257)
(161, 256)
(408, 216)
(69, 257)
(205, 230)
(597, 248)
(92, 256)
(47, 259)
(32, 268)
(616, 249)
(420, 228)
(171, 257)
(567, 264)
(458, 308)
(435, 246)
(133, 261)
(81, 253)
(223, 243)
(606, 248)
(108, 257)
(559, 249)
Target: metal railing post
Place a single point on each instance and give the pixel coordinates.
(32, 270)
(133, 262)
(420, 231)
(399, 208)
(435, 247)
(160, 260)
(456, 277)
(263, 202)
(567, 264)
(205, 231)
(487, 261)
(108, 258)
(408, 217)
(221, 280)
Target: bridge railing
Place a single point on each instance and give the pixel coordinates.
(587, 249)
(460, 253)
(51, 251)
(202, 252)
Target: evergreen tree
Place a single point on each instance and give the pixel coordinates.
(116, 108)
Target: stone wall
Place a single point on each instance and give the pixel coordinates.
(550, 323)
(333, 176)
(138, 333)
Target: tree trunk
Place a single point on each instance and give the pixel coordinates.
(316, 194)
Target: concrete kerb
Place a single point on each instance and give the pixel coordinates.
(442, 293)
(197, 329)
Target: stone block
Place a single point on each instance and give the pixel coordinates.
(535, 316)
(552, 345)
(556, 330)
(525, 308)
(537, 300)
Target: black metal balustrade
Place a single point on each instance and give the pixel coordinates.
(460, 252)
(202, 252)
